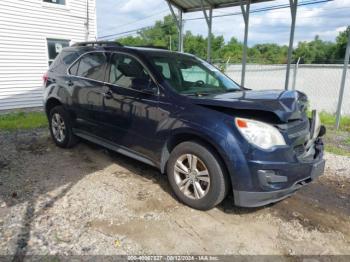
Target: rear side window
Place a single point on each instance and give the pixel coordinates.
(91, 65)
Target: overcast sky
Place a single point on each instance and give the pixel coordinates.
(325, 20)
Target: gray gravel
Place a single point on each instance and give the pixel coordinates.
(337, 165)
(88, 200)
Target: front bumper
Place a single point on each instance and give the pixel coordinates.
(256, 199)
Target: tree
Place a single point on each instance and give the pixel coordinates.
(270, 53)
(316, 51)
(160, 34)
(164, 33)
(340, 45)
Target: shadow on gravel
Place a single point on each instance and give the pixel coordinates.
(32, 167)
(145, 171)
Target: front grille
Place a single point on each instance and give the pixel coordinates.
(296, 128)
(299, 150)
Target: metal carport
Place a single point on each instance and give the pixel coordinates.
(207, 7)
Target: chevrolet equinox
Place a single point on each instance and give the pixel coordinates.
(182, 115)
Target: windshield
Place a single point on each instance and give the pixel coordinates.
(192, 76)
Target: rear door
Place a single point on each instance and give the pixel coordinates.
(87, 87)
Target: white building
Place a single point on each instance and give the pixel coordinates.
(32, 32)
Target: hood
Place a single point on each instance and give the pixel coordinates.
(286, 105)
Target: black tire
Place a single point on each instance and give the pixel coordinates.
(219, 184)
(69, 138)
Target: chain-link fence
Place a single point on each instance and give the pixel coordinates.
(321, 82)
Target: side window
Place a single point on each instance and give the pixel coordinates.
(195, 73)
(92, 66)
(126, 71)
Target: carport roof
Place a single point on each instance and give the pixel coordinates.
(196, 5)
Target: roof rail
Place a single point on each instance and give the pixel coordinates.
(98, 43)
(152, 46)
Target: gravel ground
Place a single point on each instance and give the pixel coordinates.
(90, 201)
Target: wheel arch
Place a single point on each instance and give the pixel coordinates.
(51, 103)
(181, 137)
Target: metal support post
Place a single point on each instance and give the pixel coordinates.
(293, 10)
(179, 24)
(209, 20)
(296, 67)
(342, 85)
(245, 12)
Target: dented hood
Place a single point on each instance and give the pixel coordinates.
(286, 105)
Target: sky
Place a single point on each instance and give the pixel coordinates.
(323, 19)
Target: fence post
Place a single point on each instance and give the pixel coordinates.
(342, 85)
(296, 67)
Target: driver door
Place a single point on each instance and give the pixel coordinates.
(131, 112)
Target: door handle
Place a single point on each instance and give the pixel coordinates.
(108, 94)
(69, 83)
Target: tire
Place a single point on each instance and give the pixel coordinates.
(66, 139)
(198, 193)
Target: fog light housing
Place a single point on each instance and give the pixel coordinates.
(269, 177)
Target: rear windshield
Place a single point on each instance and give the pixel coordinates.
(63, 61)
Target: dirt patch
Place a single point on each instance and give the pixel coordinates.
(89, 200)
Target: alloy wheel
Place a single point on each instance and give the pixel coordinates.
(58, 127)
(192, 176)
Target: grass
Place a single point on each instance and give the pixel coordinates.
(337, 150)
(21, 120)
(336, 141)
(329, 121)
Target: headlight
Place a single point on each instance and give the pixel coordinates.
(259, 133)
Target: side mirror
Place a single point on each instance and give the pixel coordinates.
(144, 85)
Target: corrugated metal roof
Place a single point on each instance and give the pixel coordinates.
(196, 5)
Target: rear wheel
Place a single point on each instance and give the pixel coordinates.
(61, 127)
(196, 175)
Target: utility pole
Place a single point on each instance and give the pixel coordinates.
(170, 42)
(87, 21)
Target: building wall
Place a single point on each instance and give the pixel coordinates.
(25, 26)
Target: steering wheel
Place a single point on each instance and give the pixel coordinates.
(199, 83)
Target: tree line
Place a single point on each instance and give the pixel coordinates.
(164, 33)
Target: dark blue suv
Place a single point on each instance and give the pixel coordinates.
(182, 115)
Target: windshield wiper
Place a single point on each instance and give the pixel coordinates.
(198, 94)
(233, 90)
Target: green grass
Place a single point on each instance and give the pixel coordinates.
(347, 141)
(334, 137)
(329, 121)
(30, 120)
(336, 150)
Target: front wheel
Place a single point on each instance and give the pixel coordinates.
(196, 175)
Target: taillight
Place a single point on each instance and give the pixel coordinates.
(45, 78)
